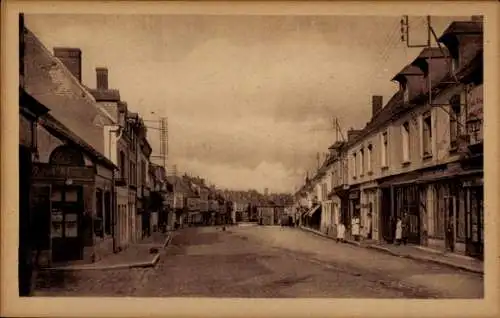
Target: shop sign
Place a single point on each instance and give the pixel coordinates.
(48, 171)
(354, 195)
(475, 102)
(203, 205)
(193, 204)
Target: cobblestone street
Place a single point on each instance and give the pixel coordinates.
(269, 262)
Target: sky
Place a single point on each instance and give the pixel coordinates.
(249, 99)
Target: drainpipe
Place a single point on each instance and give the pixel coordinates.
(114, 200)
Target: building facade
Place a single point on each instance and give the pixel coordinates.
(420, 157)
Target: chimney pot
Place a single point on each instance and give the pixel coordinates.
(377, 103)
(72, 59)
(102, 78)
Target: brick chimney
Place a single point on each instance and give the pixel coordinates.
(377, 101)
(102, 78)
(72, 59)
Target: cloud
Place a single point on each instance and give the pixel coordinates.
(274, 176)
(251, 94)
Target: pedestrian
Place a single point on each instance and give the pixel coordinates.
(340, 232)
(399, 230)
(450, 234)
(405, 228)
(355, 228)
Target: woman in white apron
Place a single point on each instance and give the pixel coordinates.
(340, 232)
(399, 231)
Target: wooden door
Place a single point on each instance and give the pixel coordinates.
(66, 221)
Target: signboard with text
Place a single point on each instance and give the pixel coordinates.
(475, 102)
(193, 204)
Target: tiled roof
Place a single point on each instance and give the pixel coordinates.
(108, 95)
(180, 185)
(52, 84)
(463, 27)
(57, 129)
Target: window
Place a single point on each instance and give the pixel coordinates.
(454, 121)
(143, 172)
(405, 132)
(369, 158)
(130, 173)
(427, 135)
(133, 174)
(361, 162)
(384, 152)
(354, 166)
(122, 164)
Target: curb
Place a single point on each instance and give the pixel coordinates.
(427, 259)
(109, 267)
(409, 256)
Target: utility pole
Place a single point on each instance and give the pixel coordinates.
(405, 37)
(164, 140)
(162, 127)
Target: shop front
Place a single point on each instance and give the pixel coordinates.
(63, 201)
(474, 192)
(354, 213)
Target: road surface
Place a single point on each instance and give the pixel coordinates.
(262, 262)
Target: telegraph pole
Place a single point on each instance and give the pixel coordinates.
(431, 34)
(162, 127)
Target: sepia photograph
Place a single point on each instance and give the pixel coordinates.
(251, 156)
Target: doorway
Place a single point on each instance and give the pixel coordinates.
(475, 222)
(66, 223)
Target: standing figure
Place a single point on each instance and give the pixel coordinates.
(340, 232)
(355, 228)
(399, 230)
(405, 227)
(450, 235)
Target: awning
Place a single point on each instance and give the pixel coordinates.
(405, 178)
(449, 174)
(313, 210)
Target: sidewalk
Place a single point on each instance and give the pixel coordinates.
(145, 253)
(418, 253)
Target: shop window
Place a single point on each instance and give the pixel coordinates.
(98, 230)
(439, 211)
(107, 213)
